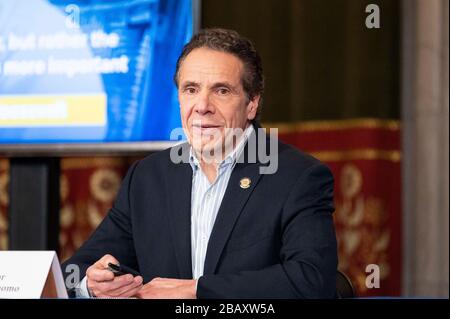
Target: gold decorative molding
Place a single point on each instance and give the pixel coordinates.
(307, 126)
(92, 162)
(358, 154)
(4, 164)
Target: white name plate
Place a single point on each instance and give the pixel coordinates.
(31, 275)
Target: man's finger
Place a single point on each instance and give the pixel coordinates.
(96, 274)
(132, 292)
(128, 290)
(163, 283)
(118, 282)
(105, 260)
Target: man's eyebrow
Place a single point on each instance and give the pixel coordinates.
(214, 86)
(190, 83)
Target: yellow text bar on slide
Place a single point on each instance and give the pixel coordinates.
(52, 110)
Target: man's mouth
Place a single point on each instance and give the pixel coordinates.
(205, 128)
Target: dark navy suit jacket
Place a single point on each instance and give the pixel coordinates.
(275, 239)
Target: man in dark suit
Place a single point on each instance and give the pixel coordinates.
(208, 218)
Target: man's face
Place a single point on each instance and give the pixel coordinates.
(212, 97)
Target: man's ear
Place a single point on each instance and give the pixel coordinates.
(252, 107)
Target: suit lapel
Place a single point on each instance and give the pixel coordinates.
(232, 205)
(179, 189)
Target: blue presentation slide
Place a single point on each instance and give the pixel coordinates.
(90, 71)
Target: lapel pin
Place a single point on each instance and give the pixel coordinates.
(245, 182)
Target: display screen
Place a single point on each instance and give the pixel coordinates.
(90, 71)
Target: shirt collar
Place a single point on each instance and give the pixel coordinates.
(230, 158)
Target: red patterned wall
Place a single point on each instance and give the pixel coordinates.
(88, 189)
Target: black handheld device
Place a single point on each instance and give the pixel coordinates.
(120, 270)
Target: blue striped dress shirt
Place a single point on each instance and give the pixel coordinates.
(206, 198)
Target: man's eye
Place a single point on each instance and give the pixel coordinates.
(190, 90)
(223, 91)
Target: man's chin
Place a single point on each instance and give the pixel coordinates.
(210, 150)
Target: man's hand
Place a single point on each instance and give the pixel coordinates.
(102, 282)
(166, 288)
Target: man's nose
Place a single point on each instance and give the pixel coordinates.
(203, 104)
